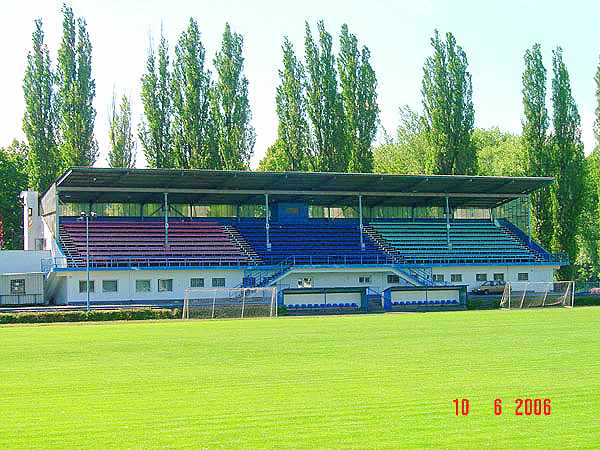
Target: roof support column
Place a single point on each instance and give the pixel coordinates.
(529, 217)
(267, 214)
(448, 222)
(360, 221)
(166, 211)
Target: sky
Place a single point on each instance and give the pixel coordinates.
(494, 34)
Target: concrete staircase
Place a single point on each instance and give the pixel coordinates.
(242, 244)
(74, 259)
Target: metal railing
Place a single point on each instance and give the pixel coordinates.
(310, 260)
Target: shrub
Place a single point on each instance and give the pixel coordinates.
(587, 300)
(483, 302)
(97, 315)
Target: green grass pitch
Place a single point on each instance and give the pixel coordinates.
(369, 381)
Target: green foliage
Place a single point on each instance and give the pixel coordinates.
(409, 152)
(192, 129)
(359, 95)
(39, 123)
(567, 148)
(588, 258)
(13, 180)
(448, 107)
(292, 149)
(275, 159)
(154, 131)
(230, 106)
(535, 139)
(75, 96)
(97, 315)
(324, 104)
(120, 135)
(499, 153)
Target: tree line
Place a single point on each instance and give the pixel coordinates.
(197, 115)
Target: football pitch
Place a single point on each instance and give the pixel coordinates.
(365, 381)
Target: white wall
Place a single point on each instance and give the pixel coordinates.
(536, 273)
(32, 228)
(22, 261)
(341, 277)
(126, 284)
(349, 277)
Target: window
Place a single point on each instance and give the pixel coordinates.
(523, 276)
(142, 286)
(197, 282)
(456, 278)
(82, 287)
(481, 277)
(498, 277)
(39, 244)
(364, 280)
(30, 212)
(17, 287)
(305, 282)
(393, 279)
(438, 277)
(109, 286)
(218, 282)
(165, 285)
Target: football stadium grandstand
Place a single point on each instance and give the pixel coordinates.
(366, 240)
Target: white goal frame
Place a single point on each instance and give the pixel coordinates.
(230, 302)
(538, 294)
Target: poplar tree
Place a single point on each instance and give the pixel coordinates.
(324, 103)
(76, 92)
(234, 135)
(120, 135)
(293, 134)
(448, 107)
(155, 128)
(39, 124)
(568, 189)
(192, 127)
(535, 139)
(589, 233)
(358, 90)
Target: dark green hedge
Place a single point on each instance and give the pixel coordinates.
(92, 316)
(483, 302)
(592, 300)
(493, 302)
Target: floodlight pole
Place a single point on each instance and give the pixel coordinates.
(267, 214)
(448, 222)
(86, 216)
(529, 218)
(166, 210)
(360, 220)
(87, 261)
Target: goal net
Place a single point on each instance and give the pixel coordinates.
(538, 294)
(212, 303)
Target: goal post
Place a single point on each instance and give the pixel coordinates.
(214, 303)
(538, 294)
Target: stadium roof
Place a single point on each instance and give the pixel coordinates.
(85, 184)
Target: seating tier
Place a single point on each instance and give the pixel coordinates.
(135, 240)
(314, 242)
(429, 240)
